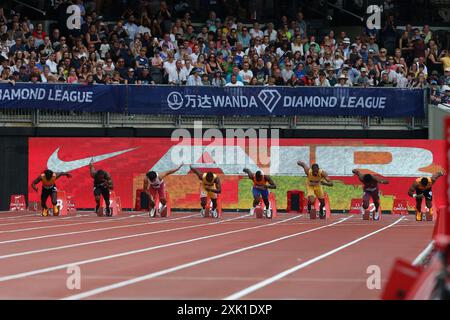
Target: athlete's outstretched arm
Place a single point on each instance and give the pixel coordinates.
(436, 176)
(35, 182)
(381, 180)
(169, 172)
(412, 189)
(304, 166)
(198, 173)
(60, 174)
(249, 173)
(272, 184)
(327, 179)
(358, 174)
(91, 168)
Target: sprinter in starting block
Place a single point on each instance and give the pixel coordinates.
(102, 185)
(422, 188)
(48, 179)
(154, 186)
(315, 179)
(371, 190)
(261, 184)
(210, 188)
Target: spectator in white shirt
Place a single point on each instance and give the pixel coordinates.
(322, 80)
(271, 32)
(256, 31)
(246, 74)
(178, 74)
(131, 27)
(234, 82)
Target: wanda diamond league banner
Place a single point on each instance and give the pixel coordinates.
(128, 159)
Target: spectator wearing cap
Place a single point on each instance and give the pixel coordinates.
(346, 47)
(435, 93)
(195, 79)
(331, 76)
(420, 48)
(391, 75)
(342, 81)
(362, 80)
(130, 78)
(446, 94)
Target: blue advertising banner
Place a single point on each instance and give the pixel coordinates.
(277, 101)
(213, 101)
(62, 97)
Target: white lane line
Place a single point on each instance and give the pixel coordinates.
(127, 253)
(17, 254)
(92, 230)
(18, 216)
(193, 263)
(421, 257)
(268, 281)
(65, 225)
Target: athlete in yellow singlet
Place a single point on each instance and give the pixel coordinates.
(210, 187)
(48, 179)
(315, 178)
(422, 188)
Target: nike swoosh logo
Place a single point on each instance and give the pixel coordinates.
(57, 165)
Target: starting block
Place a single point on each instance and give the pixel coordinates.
(61, 203)
(209, 207)
(167, 210)
(400, 206)
(17, 203)
(370, 213)
(295, 199)
(34, 206)
(316, 208)
(114, 205)
(71, 208)
(356, 207)
(259, 210)
(426, 216)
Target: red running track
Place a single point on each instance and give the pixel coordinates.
(188, 257)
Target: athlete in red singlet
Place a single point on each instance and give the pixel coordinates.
(370, 188)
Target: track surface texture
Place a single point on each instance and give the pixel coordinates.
(188, 257)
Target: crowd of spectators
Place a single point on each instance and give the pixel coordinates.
(147, 47)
